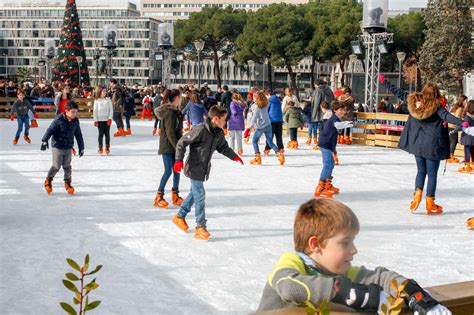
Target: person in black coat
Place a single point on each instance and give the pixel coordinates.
(64, 128)
(171, 126)
(426, 137)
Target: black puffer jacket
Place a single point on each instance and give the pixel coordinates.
(426, 133)
(171, 127)
(63, 132)
(202, 140)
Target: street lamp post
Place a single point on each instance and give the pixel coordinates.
(199, 45)
(5, 55)
(400, 56)
(256, 74)
(251, 63)
(353, 59)
(225, 64)
(79, 61)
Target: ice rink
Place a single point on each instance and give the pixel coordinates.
(150, 267)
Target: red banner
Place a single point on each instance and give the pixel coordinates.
(391, 127)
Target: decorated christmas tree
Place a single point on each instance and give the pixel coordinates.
(66, 66)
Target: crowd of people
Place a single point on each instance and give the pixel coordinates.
(198, 121)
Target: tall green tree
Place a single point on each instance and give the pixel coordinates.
(446, 56)
(23, 74)
(253, 42)
(408, 37)
(218, 28)
(70, 47)
(335, 24)
(277, 33)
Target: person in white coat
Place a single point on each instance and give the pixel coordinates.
(103, 114)
(289, 96)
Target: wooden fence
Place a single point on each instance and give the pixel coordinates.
(458, 297)
(372, 129)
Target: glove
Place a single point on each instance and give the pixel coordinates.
(343, 124)
(81, 153)
(44, 146)
(109, 122)
(469, 131)
(381, 78)
(421, 302)
(178, 166)
(96, 124)
(238, 159)
(36, 115)
(247, 133)
(12, 117)
(358, 296)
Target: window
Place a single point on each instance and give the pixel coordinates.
(137, 63)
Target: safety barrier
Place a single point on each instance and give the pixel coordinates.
(372, 129)
(458, 297)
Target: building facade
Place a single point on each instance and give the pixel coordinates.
(25, 27)
(171, 11)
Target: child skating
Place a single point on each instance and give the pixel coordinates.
(21, 107)
(64, 128)
(327, 144)
(103, 114)
(262, 124)
(467, 140)
(202, 140)
(294, 119)
(320, 269)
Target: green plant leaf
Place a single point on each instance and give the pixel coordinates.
(95, 270)
(86, 261)
(85, 268)
(91, 286)
(72, 276)
(68, 308)
(92, 305)
(68, 284)
(76, 301)
(73, 264)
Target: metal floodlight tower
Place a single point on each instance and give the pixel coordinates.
(165, 42)
(110, 41)
(50, 53)
(374, 38)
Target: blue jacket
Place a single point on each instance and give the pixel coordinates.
(63, 132)
(274, 109)
(195, 113)
(328, 134)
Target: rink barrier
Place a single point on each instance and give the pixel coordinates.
(458, 297)
(383, 130)
(46, 109)
(372, 129)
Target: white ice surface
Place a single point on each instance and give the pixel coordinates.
(150, 267)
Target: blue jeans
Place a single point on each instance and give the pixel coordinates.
(268, 136)
(313, 129)
(293, 134)
(168, 162)
(328, 164)
(22, 120)
(197, 196)
(430, 168)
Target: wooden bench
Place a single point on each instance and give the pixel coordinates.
(458, 297)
